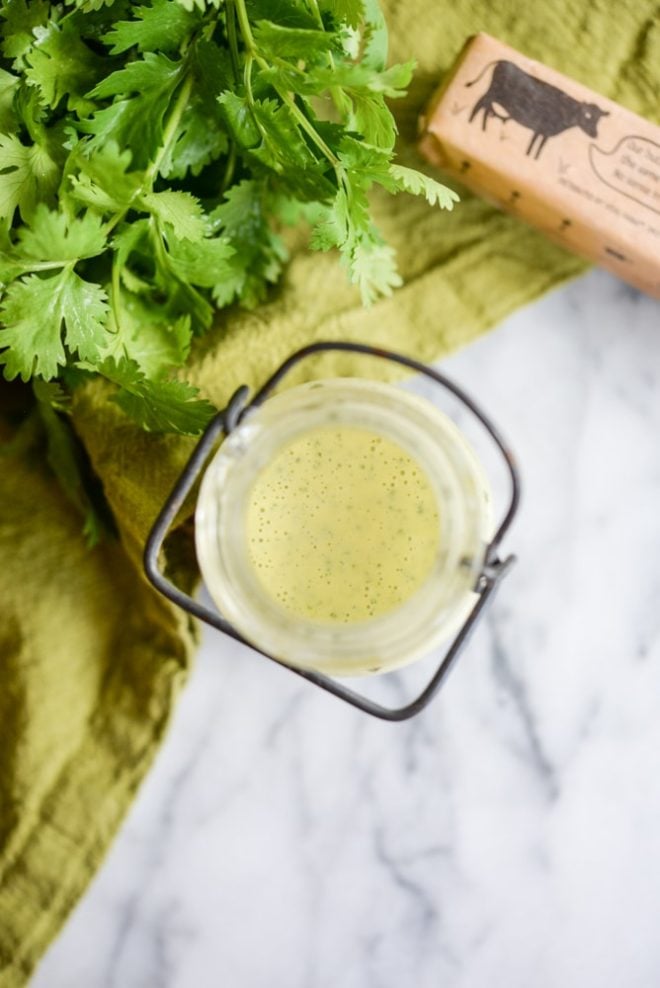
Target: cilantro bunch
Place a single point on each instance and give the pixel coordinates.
(149, 153)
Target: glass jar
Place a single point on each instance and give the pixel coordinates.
(403, 436)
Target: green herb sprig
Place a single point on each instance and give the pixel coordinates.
(148, 155)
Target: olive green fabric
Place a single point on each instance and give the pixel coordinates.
(91, 659)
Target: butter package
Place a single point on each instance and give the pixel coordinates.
(581, 168)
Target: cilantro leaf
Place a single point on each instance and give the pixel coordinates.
(390, 82)
(163, 26)
(240, 119)
(350, 12)
(161, 405)
(151, 74)
(373, 269)
(418, 184)
(332, 226)
(28, 175)
(103, 180)
(372, 117)
(347, 225)
(366, 164)
(281, 141)
(21, 19)
(271, 135)
(155, 343)
(157, 347)
(53, 394)
(288, 13)
(180, 209)
(166, 406)
(202, 263)
(374, 55)
(8, 84)
(259, 252)
(89, 6)
(34, 311)
(10, 267)
(279, 42)
(354, 79)
(136, 119)
(61, 64)
(199, 4)
(85, 316)
(52, 236)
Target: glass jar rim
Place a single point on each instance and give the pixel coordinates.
(384, 641)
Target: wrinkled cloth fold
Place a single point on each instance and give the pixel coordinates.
(91, 658)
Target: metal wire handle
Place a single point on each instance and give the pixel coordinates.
(225, 421)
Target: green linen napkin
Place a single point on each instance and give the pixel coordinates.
(91, 658)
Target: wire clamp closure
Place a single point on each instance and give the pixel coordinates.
(224, 422)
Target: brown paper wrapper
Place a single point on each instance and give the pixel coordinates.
(581, 168)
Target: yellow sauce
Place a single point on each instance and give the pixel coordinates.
(342, 525)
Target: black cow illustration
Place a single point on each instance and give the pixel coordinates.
(544, 109)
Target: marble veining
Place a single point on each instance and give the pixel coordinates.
(508, 836)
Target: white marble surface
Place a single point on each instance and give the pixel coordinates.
(510, 836)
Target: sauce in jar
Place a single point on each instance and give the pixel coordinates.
(342, 525)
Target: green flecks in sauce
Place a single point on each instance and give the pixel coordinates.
(342, 525)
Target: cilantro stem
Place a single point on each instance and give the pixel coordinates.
(338, 97)
(168, 137)
(172, 124)
(244, 25)
(229, 168)
(234, 58)
(233, 40)
(49, 265)
(247, 81)
(317, 13)
(198, 302)
(115, 298)
(116, 219)
(309, 128)
(254, 55)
